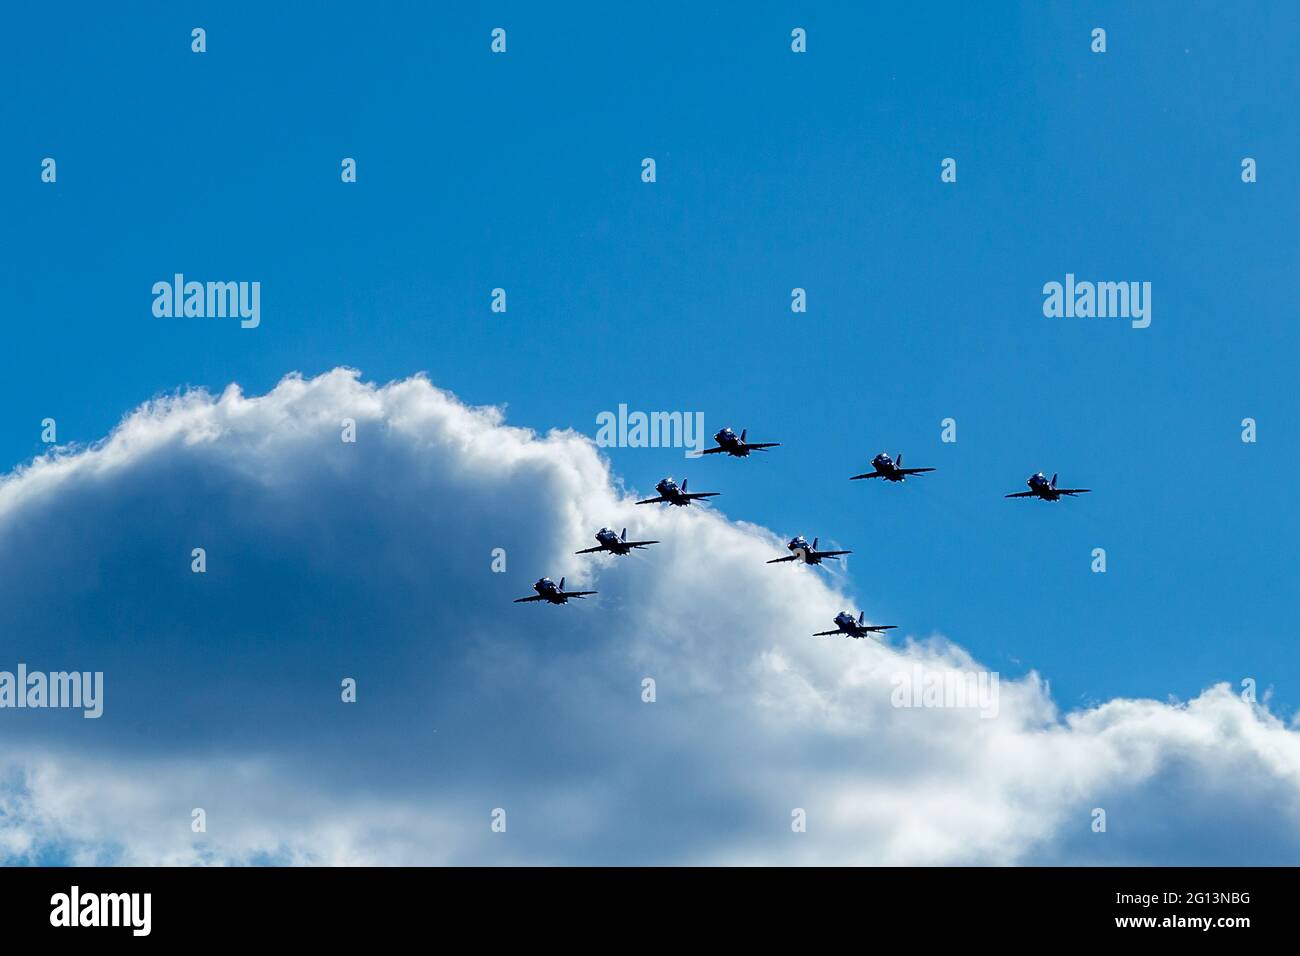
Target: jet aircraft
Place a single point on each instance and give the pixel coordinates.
(801, 550)
(548, 590)
(669, 493)
(889, 469)
(844, 624)
(1040, 487)
(737, 447)
(614, 544)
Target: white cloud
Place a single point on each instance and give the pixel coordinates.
(372, 561)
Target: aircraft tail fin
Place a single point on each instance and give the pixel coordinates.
(624, 538)
(561, 584)
(742, 433)
(899, 460)
(684, 484)
(862, 617)
(1053, 480)
(814, 544)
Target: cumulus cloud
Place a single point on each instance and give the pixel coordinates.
(372, 560)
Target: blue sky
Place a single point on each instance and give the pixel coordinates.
(775, 170)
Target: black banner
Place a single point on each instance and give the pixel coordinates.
(1222, 906)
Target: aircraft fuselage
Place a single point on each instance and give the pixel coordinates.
(804, 551)
(1042, 488)
(730, 443)
(672, 494)
(551, 591)
(887, 468)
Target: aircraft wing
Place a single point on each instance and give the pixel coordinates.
(829, 554)
(762, 444)
(590, 550)
(535, 597)
(652, 501)
(699, 494)
(713, 451)
(638, 544)
(575, 594)
(880, 627)
(913, 471)
(1020, 494)
(1073, 491)
(826, 633)
(870, 474)
(789, 557)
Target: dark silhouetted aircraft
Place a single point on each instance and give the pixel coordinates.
(844, 624)
(614, 544)
(669, 493)
(889, 469)
(1040, 487)
(737, 447)
(548, 590)
(801, 550)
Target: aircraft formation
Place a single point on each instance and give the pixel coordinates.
(729, 443)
